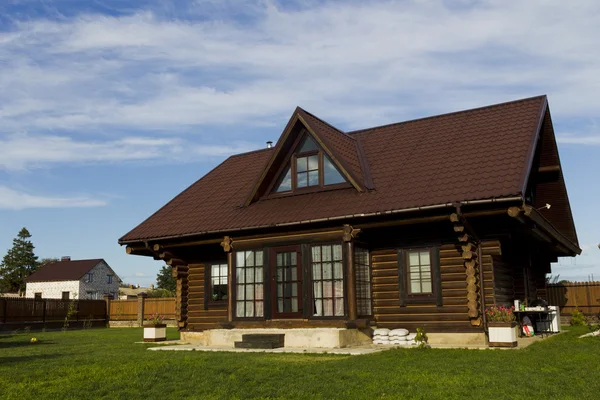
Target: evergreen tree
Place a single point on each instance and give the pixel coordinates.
(164, 280)
(18, 263)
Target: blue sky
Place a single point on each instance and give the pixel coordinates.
(109, 108)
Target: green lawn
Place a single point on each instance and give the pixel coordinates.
(105, 363)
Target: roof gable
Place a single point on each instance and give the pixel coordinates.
(339, 147)
(544, 181)
(72, 270)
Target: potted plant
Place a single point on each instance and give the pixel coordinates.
(155, 330)
(501, 326)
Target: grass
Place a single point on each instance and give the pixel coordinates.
(105, 363)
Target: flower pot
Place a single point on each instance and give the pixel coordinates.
(155, 333)
(502, 334)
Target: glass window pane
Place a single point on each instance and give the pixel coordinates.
(259, 312)
(249, 275)
(313, 178)
(327, 289)
(249, 309)
(313, 162)
(316, 253)
(326, 253)
(328, 307)
(240, 292)
(413, 258)
(249, 292)
(214, 271)
(239, 309)
(337, 252)
(285, 183)
(249, 259)
(259, 293)
(294, 301)
(330, 172)
(425, 258)
(415, 287)
(308, 144)
(302, 179)
(294, 276)
(223, 268)
(280, 305)
(279, 290)
(240, 275)
(258, 277)
(301, 164)
(327, 271)
(339, 288)
(293, 259)
(337, 273)
(279, 259)
(317, 272)
(258, 257)
(280, 274)
(239, 257)
(294, 289)
(339, 307)
(426, 286)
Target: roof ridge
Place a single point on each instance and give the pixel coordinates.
(326, 123)
(251, 152)
(446, 114)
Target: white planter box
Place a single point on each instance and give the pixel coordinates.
(155, 333)
(502, 334)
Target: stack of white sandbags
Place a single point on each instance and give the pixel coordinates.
(402, 337)
(381, 336)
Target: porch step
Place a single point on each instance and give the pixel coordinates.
(261, 341)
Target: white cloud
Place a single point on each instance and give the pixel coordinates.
(586, 140)
(14, 200)
(140, 274)
(356, 63)
(24, 151)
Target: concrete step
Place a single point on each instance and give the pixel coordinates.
(256, 345)
(278, 340)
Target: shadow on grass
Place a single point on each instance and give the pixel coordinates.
(6, 361)
(23, 343)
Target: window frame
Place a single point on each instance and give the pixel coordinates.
(291, 160)
(67, 297)
(405, 295)
(109, 279)
(297, 248)
(37, 296)
(90, 277)
(208, 300)
(234, 282)
(356, 248)
(310, 283)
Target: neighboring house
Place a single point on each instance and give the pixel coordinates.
(420, 223)
(73, 279)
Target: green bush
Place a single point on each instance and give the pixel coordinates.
(577, 318)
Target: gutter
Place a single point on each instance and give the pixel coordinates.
(336, 218)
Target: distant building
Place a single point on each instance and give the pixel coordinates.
(132, 291)
(73, 279)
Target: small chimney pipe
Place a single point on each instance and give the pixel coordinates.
(269, 144)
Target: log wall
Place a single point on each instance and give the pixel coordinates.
(199, 315)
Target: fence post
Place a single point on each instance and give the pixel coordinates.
(140, 311)
(44, 311)
(4, 309)
(107, 299)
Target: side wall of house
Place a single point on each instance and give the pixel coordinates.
(99, 285)
(452, 315)
(201, 316)
(52, 290)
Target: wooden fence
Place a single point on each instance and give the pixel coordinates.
(127, 310)
(584, 296)
(21, 310)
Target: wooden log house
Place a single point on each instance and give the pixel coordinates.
(420, 223)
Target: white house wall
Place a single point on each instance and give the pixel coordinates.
(53, 290)
(99, 286)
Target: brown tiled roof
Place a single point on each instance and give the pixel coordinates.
(63, 270)
(476, 154)
(344, 146)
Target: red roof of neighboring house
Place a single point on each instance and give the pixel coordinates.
(483, 153)
(72, 270)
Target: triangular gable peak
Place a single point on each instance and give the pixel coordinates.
(544, 183)
(338, 148)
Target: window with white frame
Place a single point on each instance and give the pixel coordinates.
(249, 283)
(419, 272)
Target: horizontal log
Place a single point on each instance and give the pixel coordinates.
(384, 252)
(383, 280)
(454, 285)
(392, 294)
(385, 272)
(468, 247)
(433, 327)
(468, 255)
(454, 217)
(459, 228)
(458, 269)
(460, 277)
(385, 287)
(420, 310)
(418, 318)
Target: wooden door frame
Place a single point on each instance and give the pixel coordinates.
(273, 281)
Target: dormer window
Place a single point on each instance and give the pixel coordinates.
(308, 167)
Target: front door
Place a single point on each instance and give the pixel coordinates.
(286, 282)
